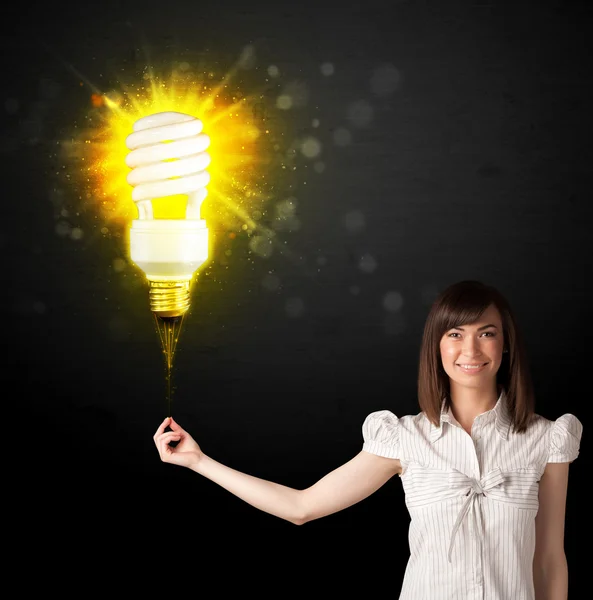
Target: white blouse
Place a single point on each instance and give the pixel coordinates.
(472, 499)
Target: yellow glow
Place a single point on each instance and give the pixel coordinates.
(241, 147)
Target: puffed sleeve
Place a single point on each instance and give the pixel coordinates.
(565, 439)
(380, 432)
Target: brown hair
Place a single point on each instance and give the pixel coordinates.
(463, 303)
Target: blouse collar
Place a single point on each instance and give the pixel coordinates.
(500, 414)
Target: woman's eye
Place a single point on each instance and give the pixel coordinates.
(454, 334)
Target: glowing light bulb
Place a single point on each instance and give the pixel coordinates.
(168, 158)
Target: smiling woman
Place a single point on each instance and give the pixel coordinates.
(485, 477)
(472, 350)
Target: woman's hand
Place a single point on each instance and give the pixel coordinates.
(186, 453)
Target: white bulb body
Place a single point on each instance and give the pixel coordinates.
(168, 158)
(169, 249)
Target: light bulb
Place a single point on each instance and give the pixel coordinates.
(168, 158)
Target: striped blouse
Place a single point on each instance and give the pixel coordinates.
(472, 499)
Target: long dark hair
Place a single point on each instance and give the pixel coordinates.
(463, 303)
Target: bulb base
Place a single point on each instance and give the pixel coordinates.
(169, 298)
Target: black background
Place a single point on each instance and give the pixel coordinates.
(477, 166)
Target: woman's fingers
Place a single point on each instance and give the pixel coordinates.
(164, 440)
(161, 428)
(174, 425)
(168, 436)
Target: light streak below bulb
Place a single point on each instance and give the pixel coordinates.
(168, 157)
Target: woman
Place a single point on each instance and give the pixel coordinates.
(485, 478)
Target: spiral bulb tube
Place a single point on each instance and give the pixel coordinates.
(167, 158)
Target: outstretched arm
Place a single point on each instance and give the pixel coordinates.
(348, 484)
(550, 570)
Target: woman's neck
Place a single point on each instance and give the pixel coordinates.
(468, 403)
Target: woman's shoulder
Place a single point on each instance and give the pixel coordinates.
(384, 432)
(566, 421)
(388, 416)
(564, 438)
(387, 422)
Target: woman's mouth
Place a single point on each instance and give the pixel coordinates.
(470, 368)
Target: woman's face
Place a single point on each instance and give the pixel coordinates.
(471, 354)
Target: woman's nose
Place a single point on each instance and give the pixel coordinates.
(471, 347)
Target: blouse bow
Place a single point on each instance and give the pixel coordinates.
(473, 489)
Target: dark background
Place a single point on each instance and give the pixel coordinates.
(476, 165)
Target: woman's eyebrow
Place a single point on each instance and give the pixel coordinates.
(479, 328)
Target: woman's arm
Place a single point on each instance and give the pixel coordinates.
(343, 487)
(550, 569)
